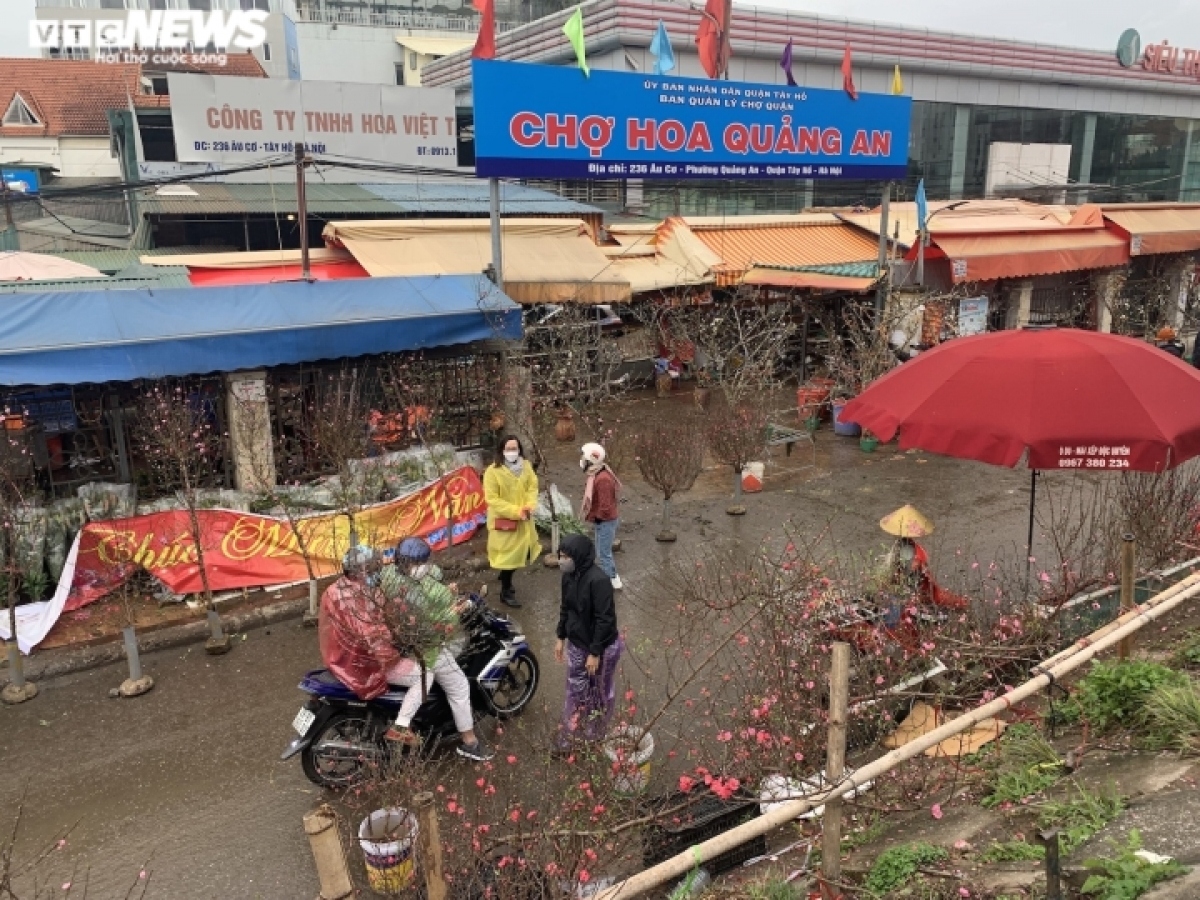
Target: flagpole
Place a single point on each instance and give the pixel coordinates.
(497, 263)
(885, 273)
(725, 44)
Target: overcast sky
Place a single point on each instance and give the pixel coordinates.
(1074, 23)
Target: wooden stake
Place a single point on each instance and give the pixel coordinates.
(321, 826)
(430, 843)
(835, 764)
(1128, 560)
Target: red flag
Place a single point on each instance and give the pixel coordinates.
(848, 75)
(485, 44)
(709, 37)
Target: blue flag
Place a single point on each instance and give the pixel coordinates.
(922, 209)
(660, 49)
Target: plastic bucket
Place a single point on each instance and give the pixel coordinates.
(387, 837)
(752, 477)
(629, 750)
(845, 429)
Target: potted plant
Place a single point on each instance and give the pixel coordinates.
(564, 428)
(868, 442)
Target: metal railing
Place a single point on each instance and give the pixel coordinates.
(397, 19)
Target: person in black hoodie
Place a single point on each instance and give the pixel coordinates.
(588, 642)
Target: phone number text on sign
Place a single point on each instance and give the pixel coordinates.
(1093, 457)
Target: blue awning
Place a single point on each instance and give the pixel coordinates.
(73, 337)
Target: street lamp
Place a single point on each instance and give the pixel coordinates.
(923, 238)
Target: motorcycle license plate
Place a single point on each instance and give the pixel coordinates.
(303, 721)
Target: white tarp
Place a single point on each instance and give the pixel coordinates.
(238, 120)
(34, 620)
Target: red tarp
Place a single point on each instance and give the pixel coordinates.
(332, 271)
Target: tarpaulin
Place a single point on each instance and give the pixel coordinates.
(987, 257)
(331, 271)
(247, 550)
(96, 336)
(1156, 229)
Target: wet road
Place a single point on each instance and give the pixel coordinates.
(186, 780)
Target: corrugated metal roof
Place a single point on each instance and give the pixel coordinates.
(474, 197)
(111, 261)
(785, 245)
(242, 199)
(348, 200)
(840, 270)
(172, 277)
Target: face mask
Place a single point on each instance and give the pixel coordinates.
(566, 565)
(583, 464)
(419, 572)
(512, 455)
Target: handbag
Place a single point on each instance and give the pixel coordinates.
(499, 524)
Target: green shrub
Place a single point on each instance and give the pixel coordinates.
(1079, 817)
(1023, 764)
(1012, 851)
(896, 866)
(1112, 695)
(774, 889)
(1126, 876)
(1187, 654)
(1171, 718)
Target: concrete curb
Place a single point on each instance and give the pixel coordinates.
(68, 661)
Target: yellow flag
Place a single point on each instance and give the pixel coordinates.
(897, 82)
(573, 29)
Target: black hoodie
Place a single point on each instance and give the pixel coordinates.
(588, 615)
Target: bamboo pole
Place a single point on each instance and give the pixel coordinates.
(429, 841)
(321, 826)
(1128, 564)
(676, 866)
(835, 762)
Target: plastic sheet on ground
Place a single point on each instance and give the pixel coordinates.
(102, 500)
(34, 620)
(542, 518)
(923, 718)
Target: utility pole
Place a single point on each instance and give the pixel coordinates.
(497, 252)
(884, 266)
(302, 212)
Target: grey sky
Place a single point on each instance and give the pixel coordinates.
(1074, 23)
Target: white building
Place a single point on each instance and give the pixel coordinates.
(317, 40)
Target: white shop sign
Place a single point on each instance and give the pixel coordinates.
(236, 121)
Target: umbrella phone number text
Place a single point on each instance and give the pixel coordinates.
(1093, 457)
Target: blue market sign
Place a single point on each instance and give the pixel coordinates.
(553, 122)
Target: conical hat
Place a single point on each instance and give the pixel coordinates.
(906, 522)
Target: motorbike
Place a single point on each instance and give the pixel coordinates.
(339, 736)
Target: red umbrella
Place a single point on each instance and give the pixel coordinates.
(1069, 399)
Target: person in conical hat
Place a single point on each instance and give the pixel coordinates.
(907, 564)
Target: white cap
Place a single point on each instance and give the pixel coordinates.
(593, 453)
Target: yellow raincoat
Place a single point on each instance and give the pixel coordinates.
(506, 496)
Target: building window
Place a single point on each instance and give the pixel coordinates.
(412, 60)
(263, 5)
(19, 113)
(112, 4)
(158, 4)
(400, 74)
(266, 52)
(200, 5)
(158, 86)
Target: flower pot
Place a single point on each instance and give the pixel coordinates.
(868, 443)
(845, 429)
(811, 399)
(564, 428)
(811, 424)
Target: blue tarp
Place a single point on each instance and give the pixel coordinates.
(95, 336)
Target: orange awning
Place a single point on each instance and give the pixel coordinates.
(784, 278)
(813, 240)
(1157, 229)
(987, 257)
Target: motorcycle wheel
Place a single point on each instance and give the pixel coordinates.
(336, 768)
(516, 688)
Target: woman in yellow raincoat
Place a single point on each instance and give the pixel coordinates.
(510, 488)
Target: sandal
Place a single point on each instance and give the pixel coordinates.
(404, 736)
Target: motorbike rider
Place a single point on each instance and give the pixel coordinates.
(416, 583)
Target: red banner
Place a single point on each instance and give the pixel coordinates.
(247, 550)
